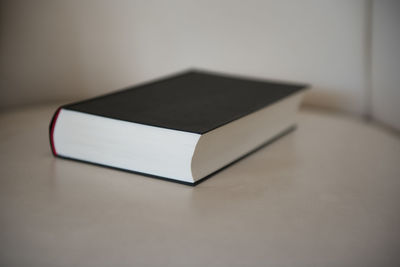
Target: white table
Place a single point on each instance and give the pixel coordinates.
(327, 194)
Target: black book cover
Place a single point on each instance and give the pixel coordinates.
(193, 101)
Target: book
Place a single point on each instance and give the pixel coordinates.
(181, 128)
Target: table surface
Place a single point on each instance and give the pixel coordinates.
(325, 195)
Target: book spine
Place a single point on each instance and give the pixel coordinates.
(51, 131)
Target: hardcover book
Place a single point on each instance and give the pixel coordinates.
(182, 128)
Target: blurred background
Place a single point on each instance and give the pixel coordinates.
(68, 50)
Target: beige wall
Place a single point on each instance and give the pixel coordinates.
(55, 50)
(386, 62)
